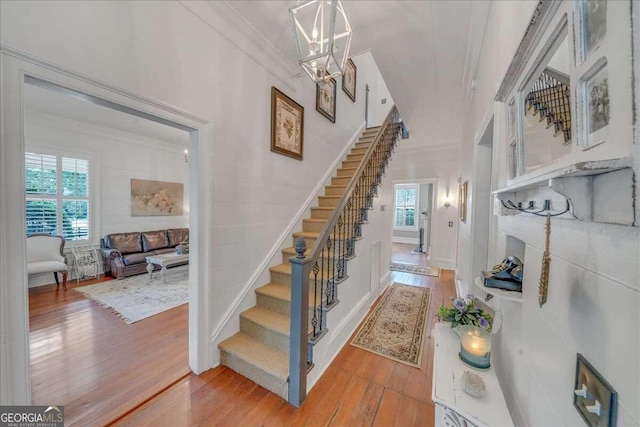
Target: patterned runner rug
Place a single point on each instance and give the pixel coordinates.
(136, 298)
(395, 327)
(415, 269)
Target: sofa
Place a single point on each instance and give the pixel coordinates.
(125, 253)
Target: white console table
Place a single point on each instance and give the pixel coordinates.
(454, 407)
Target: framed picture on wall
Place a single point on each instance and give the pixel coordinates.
(593, 98)
(326, 99)
(592, 25)
(349, 80)
(462, 196)
(287, 125)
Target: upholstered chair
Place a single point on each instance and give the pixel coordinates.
(44, 255)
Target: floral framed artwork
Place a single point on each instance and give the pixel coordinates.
(156, 198)
(287, 125)
(326, 99)
(463, 201)
(349, 80)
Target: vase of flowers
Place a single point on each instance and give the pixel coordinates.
(464, 311)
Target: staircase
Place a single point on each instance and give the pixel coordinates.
(260, 351)
(551, 99)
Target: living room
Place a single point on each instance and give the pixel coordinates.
(109, 150)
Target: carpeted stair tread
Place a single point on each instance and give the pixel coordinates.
(291, 250)
(285, 268)
(309, 234)
(281, 292)
(271, 359)
(268, 318)
(262, 363)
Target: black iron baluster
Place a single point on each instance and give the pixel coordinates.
(314, 319)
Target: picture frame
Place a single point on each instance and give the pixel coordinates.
(349, 79)
(156, 198)
(462, 195)
(592, 26)
(594, 104)
(326, 99)
(287, 125)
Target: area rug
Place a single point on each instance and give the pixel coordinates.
(395, 327)
(136, 298)
(415, 269)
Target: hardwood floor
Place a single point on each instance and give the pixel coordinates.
(87, 359)
(358, 389)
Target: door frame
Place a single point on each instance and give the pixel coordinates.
(480, 238)
(434, 192)
(15, 66)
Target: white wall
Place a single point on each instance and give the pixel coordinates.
(213, 69)
(594, 289)
(116, 157)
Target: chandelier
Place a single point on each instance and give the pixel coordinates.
(323, 36)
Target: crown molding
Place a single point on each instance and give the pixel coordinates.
(231, 25)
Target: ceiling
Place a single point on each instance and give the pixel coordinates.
(426, 52)
(59, 104)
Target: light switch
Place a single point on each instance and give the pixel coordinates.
(450, 223)
(594, 398)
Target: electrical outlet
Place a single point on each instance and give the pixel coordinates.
(532, 204)
(519, 205)
(383, 101)
(450, 223)
(547, 205)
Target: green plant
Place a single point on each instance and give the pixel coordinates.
(465, 312)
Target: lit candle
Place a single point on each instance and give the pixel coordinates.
(475, 346)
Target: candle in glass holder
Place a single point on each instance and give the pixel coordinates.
(475, 346)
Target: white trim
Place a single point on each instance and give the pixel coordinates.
(251, 284)
(408, 240)
(225, 20)
(14, 330)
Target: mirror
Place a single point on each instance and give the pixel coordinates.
(546, 123)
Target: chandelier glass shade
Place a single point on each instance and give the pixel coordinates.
(323, 36)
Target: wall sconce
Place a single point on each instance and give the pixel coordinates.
(447, 202)
(186, 156)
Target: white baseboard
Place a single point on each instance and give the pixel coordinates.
(408, 240)
(445, 263)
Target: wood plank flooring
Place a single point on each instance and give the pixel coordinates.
(358, 389)
(85, 358)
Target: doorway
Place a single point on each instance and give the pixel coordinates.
(80, 160)
(19, 70)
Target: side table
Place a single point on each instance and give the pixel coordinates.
(454, 407)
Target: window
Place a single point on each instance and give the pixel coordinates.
(57, 196)
(406, 197)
